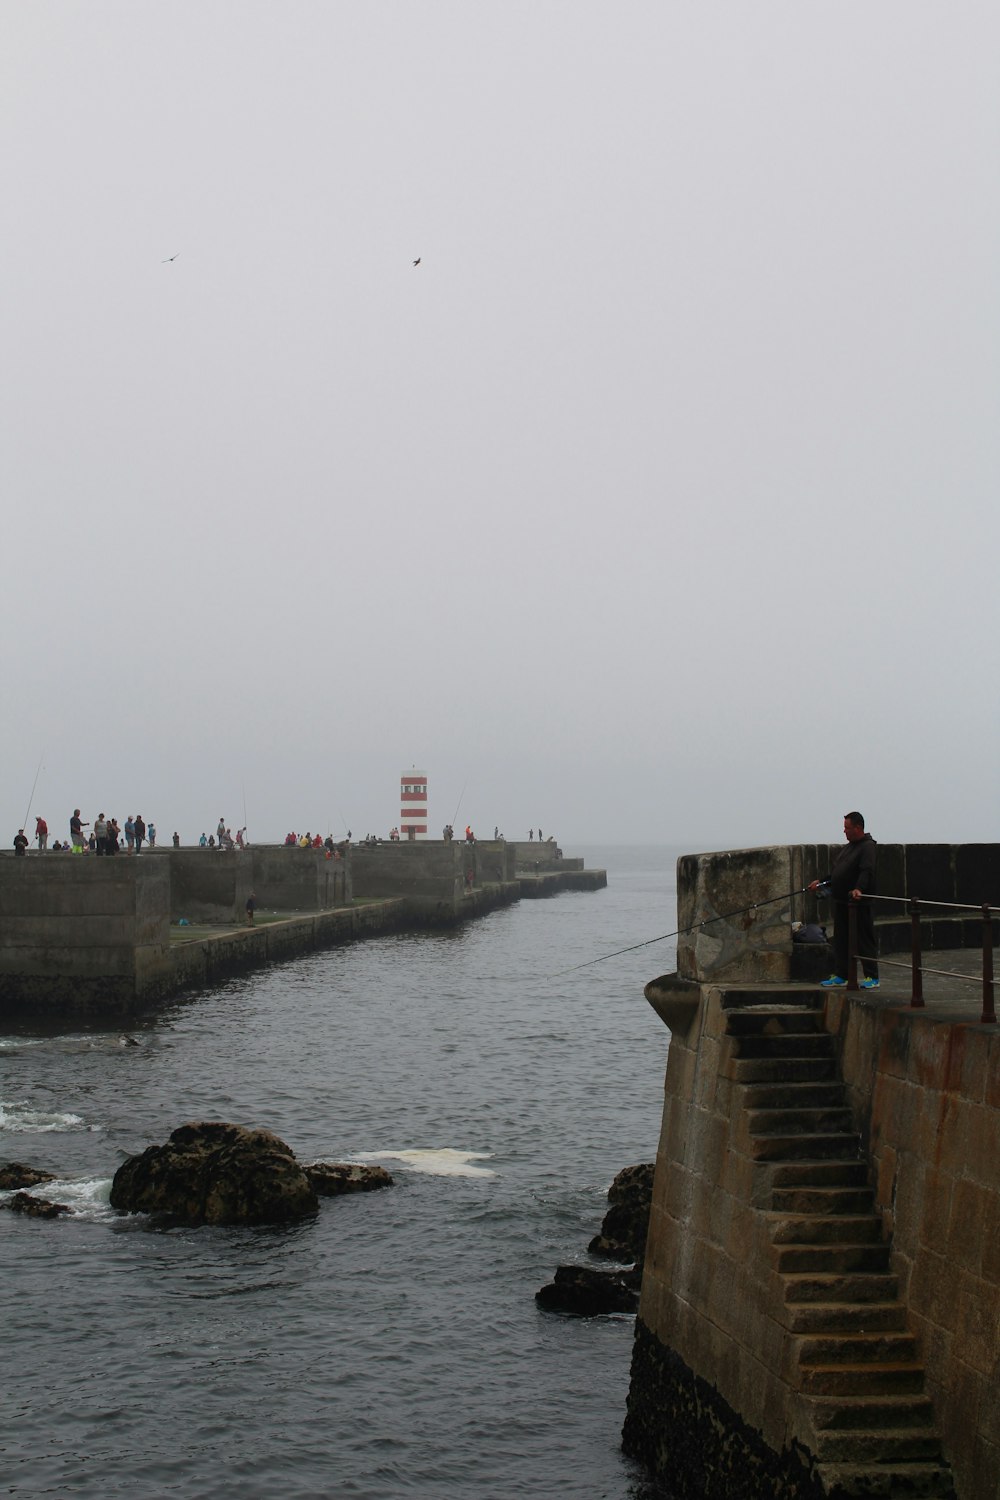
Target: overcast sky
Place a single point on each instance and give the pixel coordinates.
(659, 502)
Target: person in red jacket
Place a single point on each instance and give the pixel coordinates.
(42, 834)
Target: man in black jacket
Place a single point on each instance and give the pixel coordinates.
(851, 878)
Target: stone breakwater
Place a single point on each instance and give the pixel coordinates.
(102, 938)
(820, 1306)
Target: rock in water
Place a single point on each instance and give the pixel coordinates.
(580, 1290)
(16, 1175)
(35, 1208)
(210, 1172)
(329, 1178)
(626, 1223)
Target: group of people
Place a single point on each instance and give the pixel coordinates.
(315, 841)
(222, 838)
(105, 837)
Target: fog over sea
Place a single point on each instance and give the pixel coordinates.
(391, 1346)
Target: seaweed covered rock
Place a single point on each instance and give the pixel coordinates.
(16, 1175)
(626, 1223)
(211, 1172)
(328, 1178)
(35, 1208)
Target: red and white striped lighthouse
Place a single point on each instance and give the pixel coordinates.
(413, 805)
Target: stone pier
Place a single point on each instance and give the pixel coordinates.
(820, 1311)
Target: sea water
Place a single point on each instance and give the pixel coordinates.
(391, 1346)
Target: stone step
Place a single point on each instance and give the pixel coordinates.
(819, 1044)
(917, 1481)
(826, 1202)
(799, 1121)
(782, 1095)
(857, 1349)
(888, 1413)
(893, 1378)
(866, 1287)
(837, 1144)
(879, 1446)
(845, 1317)
(779, 1069)
(765, 1021)
(830, 1259)
(814, 1229)
(850, 1171)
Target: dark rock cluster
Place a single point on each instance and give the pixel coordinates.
(35, 1208)
(210, 1172)
(585, 1291)
(16, 1175)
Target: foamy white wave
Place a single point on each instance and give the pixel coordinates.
(86, 1197)
(444, 1163)
(19, 1117)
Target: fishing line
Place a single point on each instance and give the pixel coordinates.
(695, 927)
(454, 816)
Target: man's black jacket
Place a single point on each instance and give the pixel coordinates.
(853, 869)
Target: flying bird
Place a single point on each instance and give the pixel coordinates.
(169, 259)
(417, 261)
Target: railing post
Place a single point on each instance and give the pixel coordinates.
(852, 944)
(916, 956)
(989, 1009)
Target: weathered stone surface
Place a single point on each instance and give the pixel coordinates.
(626, 1223)
(587, 1293)
(329, 1178)
(34, 1208)
(16, 1175)
(212, 1172)
(679, 1425)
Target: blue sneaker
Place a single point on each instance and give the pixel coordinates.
(834, 983)
(869, 984)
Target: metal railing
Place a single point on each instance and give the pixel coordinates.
(916, 965)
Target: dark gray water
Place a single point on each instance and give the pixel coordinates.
(391, 1347)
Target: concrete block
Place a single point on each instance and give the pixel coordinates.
(930, 872)
(965, 1226)
(928, 1062)
(932, 1289)
(977, 873)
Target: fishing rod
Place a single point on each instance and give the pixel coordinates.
(724, 916)
(33, 785)
(454, 816)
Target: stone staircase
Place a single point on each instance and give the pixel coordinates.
(866, 1418)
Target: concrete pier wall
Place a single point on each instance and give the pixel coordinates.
(207, 885)
(756, 945)
(82, 933)
(430, 873)
(289, 879)
(924, 1091)
(723, 1398)
(85, 935)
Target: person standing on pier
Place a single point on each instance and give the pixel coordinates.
(851, 878)
(42, 834)
(76, 828)
(20, 843)
(139, 830)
